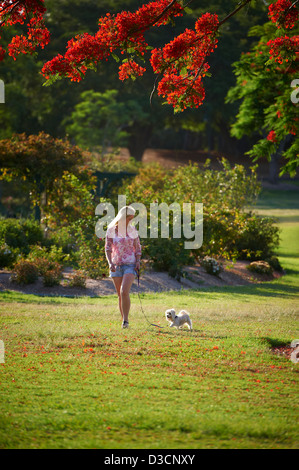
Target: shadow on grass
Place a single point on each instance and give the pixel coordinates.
(15, 296)
(276, 343)
(278, 199)
(266, 290)
(186, 333)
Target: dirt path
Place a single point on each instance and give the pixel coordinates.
(150, 281)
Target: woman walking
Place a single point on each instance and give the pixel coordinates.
(123, 251)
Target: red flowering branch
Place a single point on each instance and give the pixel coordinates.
(158, 18)
(284, 13)
(180, 65)
(123, 32)
(183, 62)
(13, 12)
(11, 6)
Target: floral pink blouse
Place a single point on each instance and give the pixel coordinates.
(123, 249)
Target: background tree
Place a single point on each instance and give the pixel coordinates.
(266, 108)
(39, 160)
(101, 120)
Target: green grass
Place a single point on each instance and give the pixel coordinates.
(281, 204)
(72, 378)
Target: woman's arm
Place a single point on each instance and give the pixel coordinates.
(108, 252)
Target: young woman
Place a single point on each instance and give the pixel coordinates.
(123, 251)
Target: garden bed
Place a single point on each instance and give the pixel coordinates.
(150, 281)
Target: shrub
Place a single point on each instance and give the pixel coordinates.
(256, 238)
(25, 272)
(211, 265)
(63, 239)
(52, 274)
(49, 263)
(167, 255)
(92, 260)
(260, 267)
(219, 230)
(8, 255)
(78, 279)
(20, 233)
(42, 256)
(90, 250)
(228, 231)
(230, 187)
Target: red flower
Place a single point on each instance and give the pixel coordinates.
(2, 53)
(130, 69)
(283, 48)
(272, 136)
(38, 34)
(281, 14)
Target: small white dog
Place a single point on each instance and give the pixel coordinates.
(178, 320)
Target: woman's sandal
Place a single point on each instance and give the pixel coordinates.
(125, 324)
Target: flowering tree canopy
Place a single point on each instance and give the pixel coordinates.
(179, 65)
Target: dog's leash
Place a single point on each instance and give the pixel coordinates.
(151, 324)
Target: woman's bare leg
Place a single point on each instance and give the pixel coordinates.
(117, 284)
(125, 294)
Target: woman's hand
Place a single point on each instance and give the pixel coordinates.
(137, 266)
(112, 267)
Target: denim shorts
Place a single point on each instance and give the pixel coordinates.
(123, 269)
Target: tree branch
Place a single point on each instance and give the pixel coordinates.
(296, 1)
(10, 5)
(13, 5)
(243, 4)
(156, 19)
(154, 88)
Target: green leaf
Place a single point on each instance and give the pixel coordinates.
(115, 57)
(183, 71)
(52, 79)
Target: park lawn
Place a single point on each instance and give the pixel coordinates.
(72, 378)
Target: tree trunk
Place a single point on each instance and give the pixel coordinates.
(274, 168)
(139, 139)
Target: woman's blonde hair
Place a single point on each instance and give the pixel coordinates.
(122, 214)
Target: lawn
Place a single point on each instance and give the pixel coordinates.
(72, 378)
